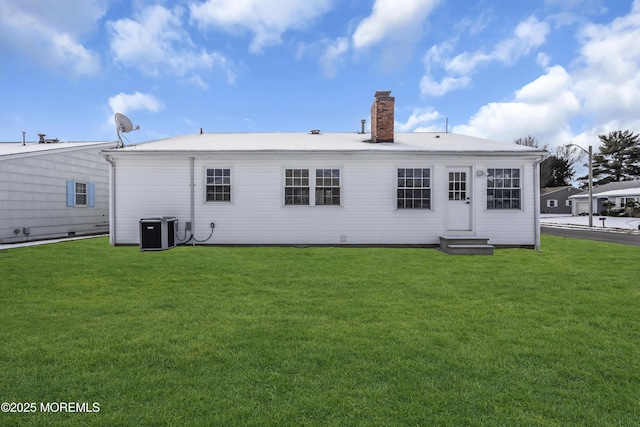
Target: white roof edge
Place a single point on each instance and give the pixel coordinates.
(543, 154)
(564, 187)
(51, 148)
(331, 142)
(633, 191)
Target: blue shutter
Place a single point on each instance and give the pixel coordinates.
(71, 193)
(91, 196)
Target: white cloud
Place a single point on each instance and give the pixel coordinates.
(51, 32)
(421, 120)
(542, 108)
(333, 54)
(125, 102)
(267, 20)
(392, 19)
(608, 81)
(431, 87)
(466, 62)
(156, 43)
(543, 60)
(601, 94)
(330, 54)
(527, 36)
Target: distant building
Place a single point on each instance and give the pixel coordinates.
(555, 200)
(52, 189)
(617, 192)
(316, 188)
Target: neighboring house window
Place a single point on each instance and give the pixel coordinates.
(625, 200)
(552, 203)
(296, 187)
(218, 185)
(414, 188)
(503, 188)
(328, 187)
(567, 202)
(81, 194)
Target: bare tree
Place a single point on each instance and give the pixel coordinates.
(528, 141)
(557, 169)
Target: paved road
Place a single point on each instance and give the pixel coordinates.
(601, 236)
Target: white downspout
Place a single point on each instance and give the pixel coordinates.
(536, 202)
(112, 201)
(193, 200)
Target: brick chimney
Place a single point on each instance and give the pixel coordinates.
(382, 117)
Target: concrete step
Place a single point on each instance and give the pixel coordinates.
(460, 245)
(461, 240)
(469, 249)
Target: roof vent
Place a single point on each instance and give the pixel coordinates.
(47, 141)
(315, 131)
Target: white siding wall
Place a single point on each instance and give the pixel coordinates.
(155, 186)
(149, 189)
(33, 195)
(507, 226)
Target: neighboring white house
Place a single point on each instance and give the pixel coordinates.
(617, 192)
(50, 190)
(328, 188)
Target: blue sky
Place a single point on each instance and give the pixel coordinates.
(559, 70)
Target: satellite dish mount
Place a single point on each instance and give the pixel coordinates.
(123, 125)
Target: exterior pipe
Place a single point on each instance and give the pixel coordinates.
(536, 202)
(192, 185)
(112, 204)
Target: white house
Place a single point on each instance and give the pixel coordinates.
(50, 190)
(617, 192)
(328, 188)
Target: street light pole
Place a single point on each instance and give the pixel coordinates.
(590, 186)
(590, 153)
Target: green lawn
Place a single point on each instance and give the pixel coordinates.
(322, 336)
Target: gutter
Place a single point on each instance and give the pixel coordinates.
(381, 152)
(112, 201)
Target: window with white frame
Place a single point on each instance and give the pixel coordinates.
(296, 187)
(81, 194)
(503, 188)
(218, 185)
(414, 188)
(567, 202)
(327, 187)
(552, 203)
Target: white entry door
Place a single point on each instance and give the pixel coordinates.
(459, 199)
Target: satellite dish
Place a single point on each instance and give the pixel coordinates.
(123, 125)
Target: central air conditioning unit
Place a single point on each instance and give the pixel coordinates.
(158, 234)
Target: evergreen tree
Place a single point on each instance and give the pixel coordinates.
(618, 159)
(556, 171)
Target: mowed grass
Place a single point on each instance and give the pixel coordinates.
(322, 336)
